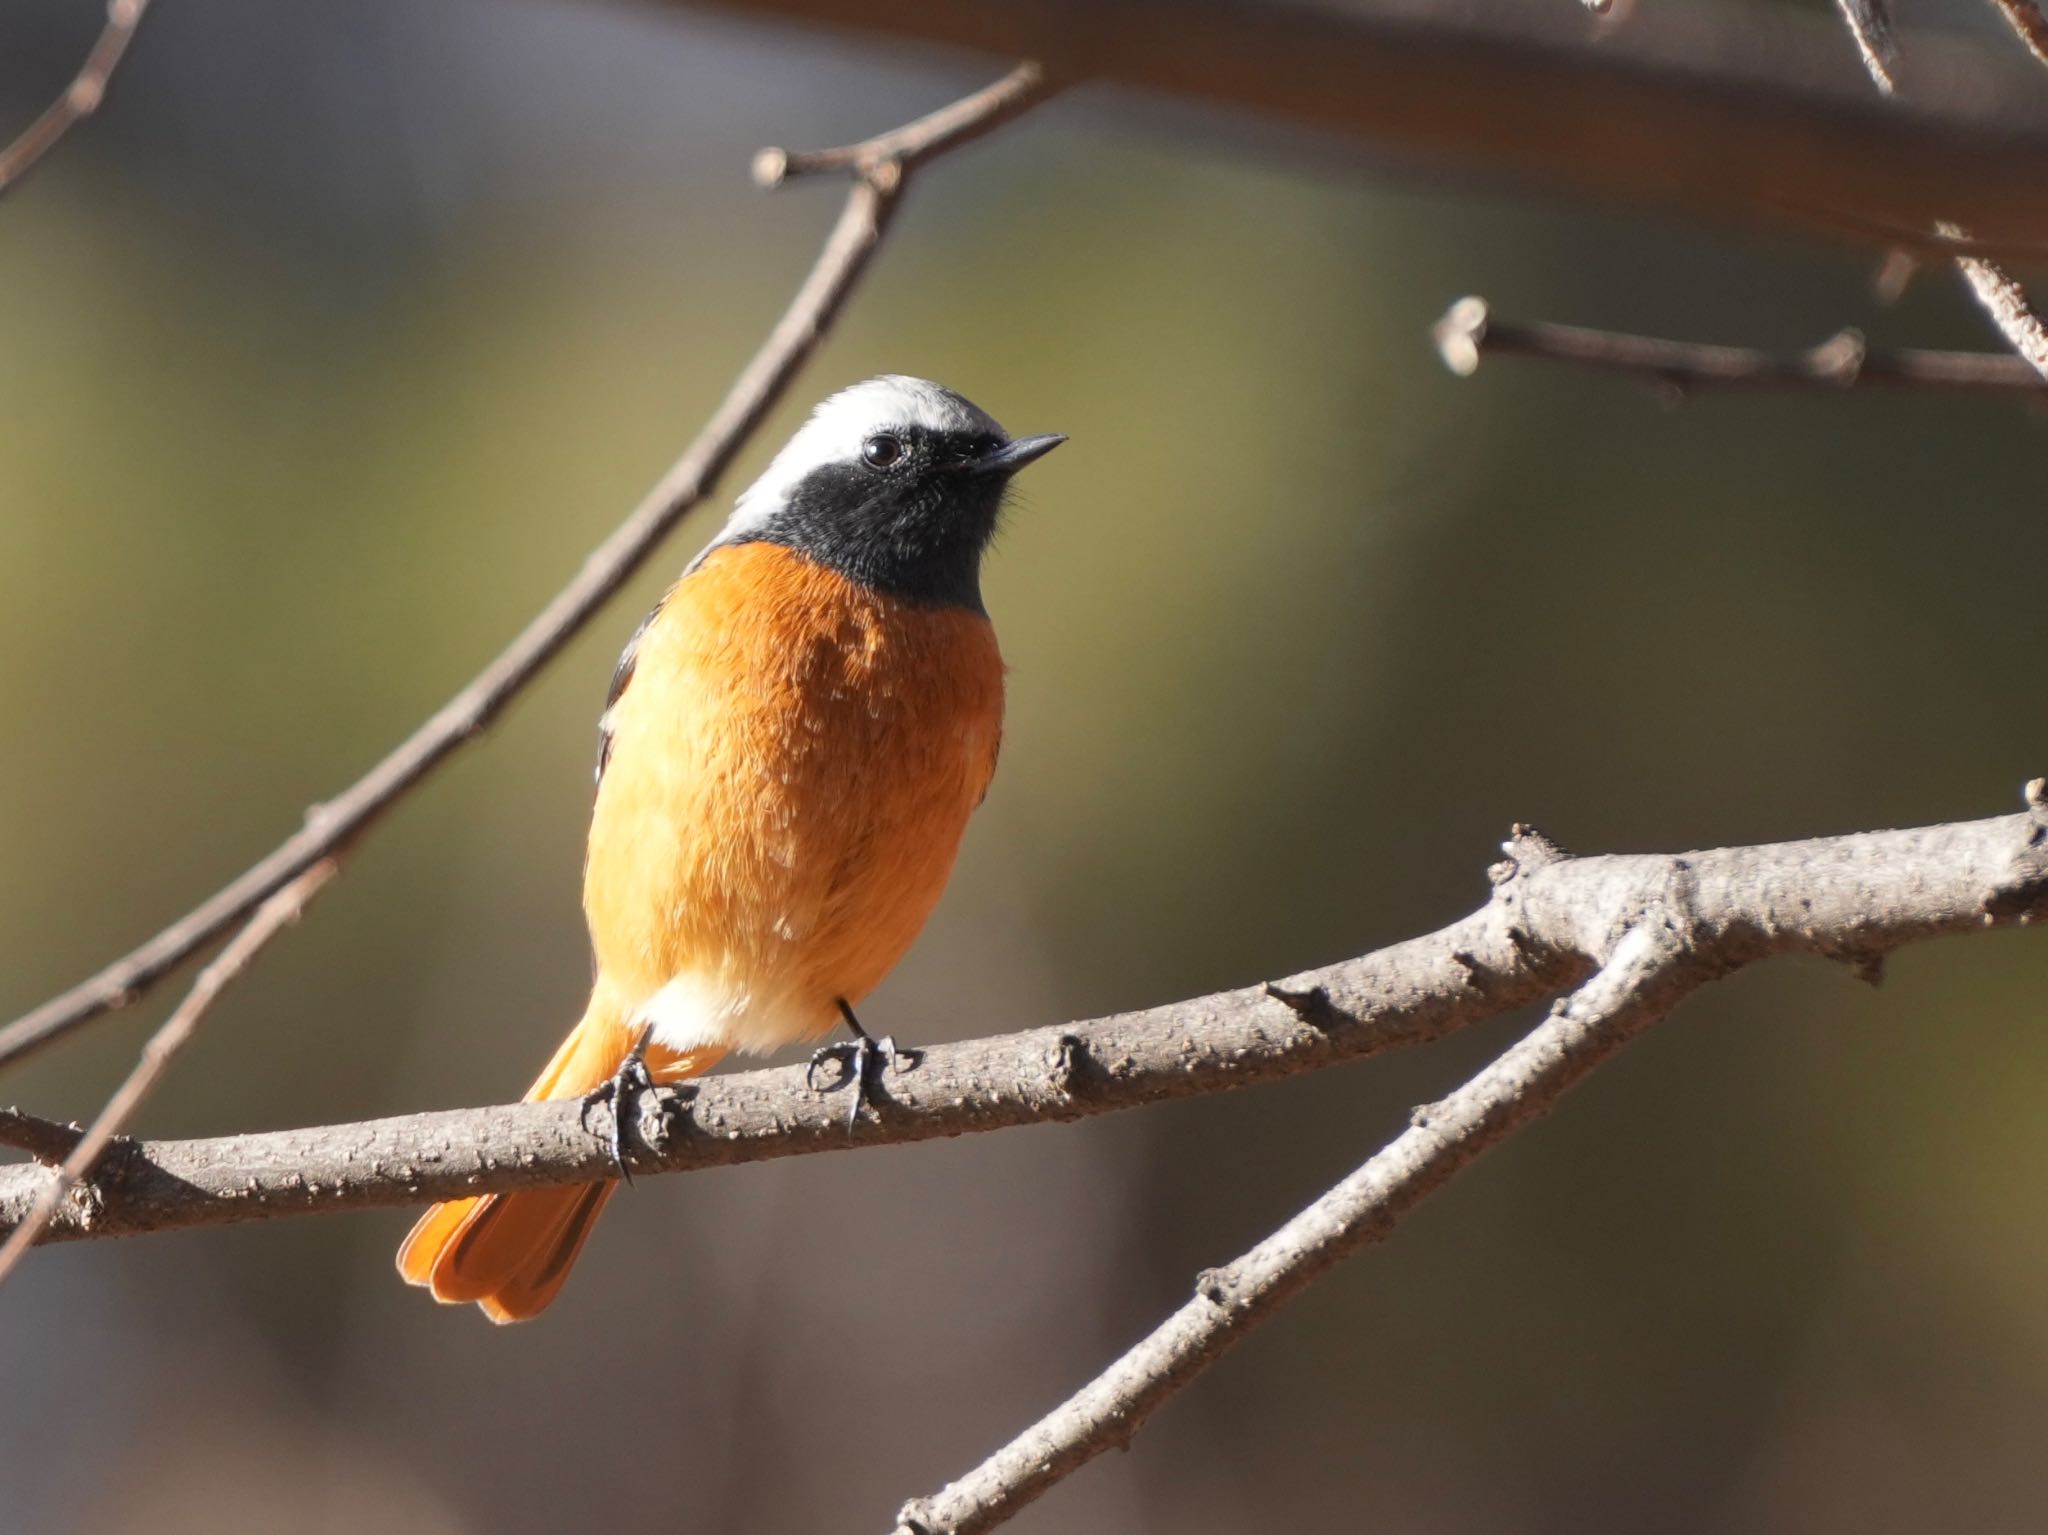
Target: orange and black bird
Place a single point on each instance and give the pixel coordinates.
(794, 741)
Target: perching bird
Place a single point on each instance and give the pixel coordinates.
(794, 741)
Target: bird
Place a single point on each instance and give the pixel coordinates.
(788, 756)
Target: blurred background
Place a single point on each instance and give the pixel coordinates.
(339, 338)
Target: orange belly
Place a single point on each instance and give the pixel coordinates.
(792, 766)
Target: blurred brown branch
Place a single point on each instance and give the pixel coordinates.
(81, 98)
(1756, 113)
(878, 184)
(1553, 919)
(1469, 332)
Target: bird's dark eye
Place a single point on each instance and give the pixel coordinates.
(882, 450)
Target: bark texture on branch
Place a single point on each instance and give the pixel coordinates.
(1551, 922)
(1656, 929)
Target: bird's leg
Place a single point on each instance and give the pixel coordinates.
(619, 1090)
(858, 1059)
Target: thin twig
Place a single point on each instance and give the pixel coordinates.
(2025, 18)
(936, 133)
(1548, 925)
(1469, 332)
(2006, 302)
(81, 98)
(1870, 23)
(176, 1031)
(331, 828)
(2002, 298)
(1636, 987)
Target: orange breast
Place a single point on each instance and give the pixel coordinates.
(792, 766)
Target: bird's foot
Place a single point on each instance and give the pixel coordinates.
(861, 1061)
(621, 1090)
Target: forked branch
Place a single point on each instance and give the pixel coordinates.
(1552, 920)
(1639, 983)
(1654, 940)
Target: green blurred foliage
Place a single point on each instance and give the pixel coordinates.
(336, 343)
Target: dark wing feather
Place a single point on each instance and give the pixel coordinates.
(621, 675)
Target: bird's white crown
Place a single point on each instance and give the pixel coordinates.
(839, 427)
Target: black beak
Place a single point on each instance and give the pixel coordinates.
(1014, 455)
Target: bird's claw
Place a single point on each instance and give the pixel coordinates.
(859, 1060)
(620, 1089)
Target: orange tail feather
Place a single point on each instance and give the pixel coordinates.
(509, 1253)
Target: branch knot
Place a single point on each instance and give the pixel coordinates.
(1311, 1004)
(1527, 850)
(1067, 1064)
(2024, 894)
(1218, 1286)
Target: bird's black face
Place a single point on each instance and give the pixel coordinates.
(896, 484)
(911, 515)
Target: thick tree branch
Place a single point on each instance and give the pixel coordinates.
(331, 828)
(81, 98)
(1551, 921)
(1713, 111)
(1652, 946)
(1469, 332)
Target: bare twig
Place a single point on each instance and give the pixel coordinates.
(81, 98)
(1870, 23)
(333, 827)
(1551, 921)
(1468, 332)
(2005, 301)
(936, 133)
(272, 918)
(2001, 297)
(1638, 984)
(2025, 18)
